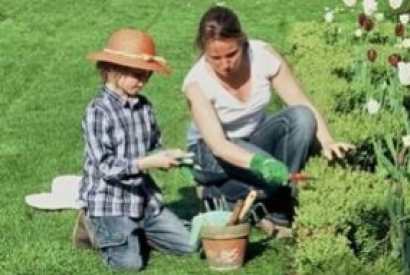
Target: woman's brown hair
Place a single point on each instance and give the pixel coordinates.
(219, 23)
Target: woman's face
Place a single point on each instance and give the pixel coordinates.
(224, 56)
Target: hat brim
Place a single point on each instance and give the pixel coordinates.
(48, 201)
(129, 62)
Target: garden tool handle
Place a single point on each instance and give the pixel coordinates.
(296, 177)
(236, 212)
(247, 204)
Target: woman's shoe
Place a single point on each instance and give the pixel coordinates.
(283, 232)
(273, 230)
(267, 226)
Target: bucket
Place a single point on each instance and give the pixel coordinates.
(225, 246)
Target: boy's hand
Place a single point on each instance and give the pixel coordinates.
(177, 153)
(269, 168)
(163, 160)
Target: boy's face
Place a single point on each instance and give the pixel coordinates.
(132, 81)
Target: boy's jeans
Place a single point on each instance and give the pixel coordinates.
(287, 136)
(120, 239)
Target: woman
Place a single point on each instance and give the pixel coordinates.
(236, 144)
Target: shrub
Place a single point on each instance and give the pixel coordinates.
(342, 217)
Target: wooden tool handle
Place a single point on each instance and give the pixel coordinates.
(248, 203)
(298, 177)
(236, 212)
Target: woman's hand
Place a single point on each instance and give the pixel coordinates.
(333, 149)
(269, 168)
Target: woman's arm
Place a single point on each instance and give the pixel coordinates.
(209, 126)
(290, 91)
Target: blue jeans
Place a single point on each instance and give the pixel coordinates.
(123, 241)
(287, 136)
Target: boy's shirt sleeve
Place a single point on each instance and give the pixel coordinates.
(157, 136)
(101, 151)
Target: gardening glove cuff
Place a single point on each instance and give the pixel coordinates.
(269, 168)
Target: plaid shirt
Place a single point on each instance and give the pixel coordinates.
(117, 133)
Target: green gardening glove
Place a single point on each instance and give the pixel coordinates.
(269, 168)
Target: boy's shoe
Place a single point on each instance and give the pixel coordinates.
(83, 237)
(279, 219)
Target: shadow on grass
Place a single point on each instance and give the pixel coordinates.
(256, 249)
(188, 206)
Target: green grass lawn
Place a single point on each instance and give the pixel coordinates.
(45, 85)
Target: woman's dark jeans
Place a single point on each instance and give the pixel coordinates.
(287, 136)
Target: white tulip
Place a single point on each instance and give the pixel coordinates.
(350, 3)
(404, 18)
(406, 43)
(404, 73)
(395, 4)
(369, 7)
(373, 106)
(406, 141)
(329, 17)
(358, 33)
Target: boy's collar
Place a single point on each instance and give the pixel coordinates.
(129, 102)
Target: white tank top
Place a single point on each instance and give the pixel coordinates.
(238, 119)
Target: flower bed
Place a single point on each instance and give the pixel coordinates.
(355, 213)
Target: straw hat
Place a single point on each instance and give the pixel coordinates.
(131, 48)
(63, 195)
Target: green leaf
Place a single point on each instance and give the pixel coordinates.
(382, 160)
(405, 121)
(389, 141)
(406, 253)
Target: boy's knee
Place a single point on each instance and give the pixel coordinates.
(125, 263)
(183, 246)
(187, 249)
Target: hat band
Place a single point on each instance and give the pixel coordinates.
(143, 57)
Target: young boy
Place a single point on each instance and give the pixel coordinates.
(122, 204)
